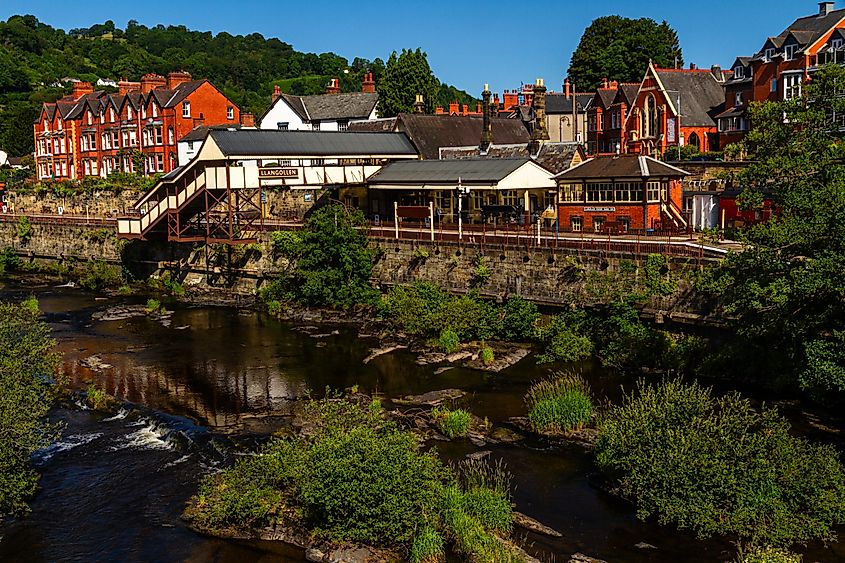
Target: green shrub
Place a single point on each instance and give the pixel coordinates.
(714, 465)
(9, 261)
(428, 547)
(487, 357)
(519, 319)
(413, 308)
(98, 399)
(657, 279)
(286, 243)
(98, 275)
(453, 423)
(449, 341)
(24, 229)
(471, 317)
(563, 340)
(420, 255)
(560, 404)
(623, 341)
(275, 308)
(154, 307)
(481, 273)
(767, 555)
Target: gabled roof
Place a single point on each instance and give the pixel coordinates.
(170, 98)
(621, 166)
(429, 133)
(555, 157)
(330, 107)
(604, 97)
(627, 93)
(807, 30)
(490, 171)
(701, 95)
(257, 142)
(200, 132)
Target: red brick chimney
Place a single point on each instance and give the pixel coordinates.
(81, 88)
(511, 99)
(126, 87)
(368, 85)
(454, 108)
(566, 87)
(604, 83)
(334, 86)
(150, 82)
(466, 109)
(277, 93)
(613, 85)
(692, 66)
(247, 120)
(174, 79)
(494, 108)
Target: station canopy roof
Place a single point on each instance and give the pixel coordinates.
(498, 173)
(251, 143)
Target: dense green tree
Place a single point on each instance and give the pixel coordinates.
(620, 48)
(786, 288)
(27, 365)
(406, 75)
(715, 465)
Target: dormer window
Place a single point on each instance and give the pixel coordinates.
(739, 72)
(129, 112)
(836, 44)
(770, 53)
(790, 51)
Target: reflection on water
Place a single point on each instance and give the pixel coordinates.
(113, 488)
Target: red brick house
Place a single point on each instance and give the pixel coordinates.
(93, 133)
(607, 117)
(676, 107)
(783, 64)
(620, 194)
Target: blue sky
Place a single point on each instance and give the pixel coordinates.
(468, 43)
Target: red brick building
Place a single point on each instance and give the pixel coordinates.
(783, 64)
(92, 133)
(620, 194)
(670, 107)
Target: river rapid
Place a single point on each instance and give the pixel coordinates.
(217, 380)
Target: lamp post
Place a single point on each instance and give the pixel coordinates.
(462, 191)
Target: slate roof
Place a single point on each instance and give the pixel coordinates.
(256, 142)
(702, 96)
(200, 132)
(429, 133)
(629, 91)
(808, 29)
(384, 125)
(491, 171)
(621, 166)
(555, 157)
(169, 98)
(330, 107)
(557, 103)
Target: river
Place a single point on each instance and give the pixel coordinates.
(217, 380)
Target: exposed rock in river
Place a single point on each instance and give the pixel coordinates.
(581, 558)
(382, 351)
(533, 525)
(431, 399)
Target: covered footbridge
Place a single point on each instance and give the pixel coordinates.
(217, 197)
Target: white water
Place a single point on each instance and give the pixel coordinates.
(150, 437)
(68, 443)
(121, 414)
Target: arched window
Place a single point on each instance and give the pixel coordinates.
(652, 116)
(694, 141)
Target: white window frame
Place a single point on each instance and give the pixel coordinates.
(186, 109)
(230, 113)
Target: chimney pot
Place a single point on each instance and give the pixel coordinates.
(334, 86)
(826, 7)
(692, 66)
(277, 93)
(604, 83)
(567, 87)
(368, 85)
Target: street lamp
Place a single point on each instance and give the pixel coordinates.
(462, 191)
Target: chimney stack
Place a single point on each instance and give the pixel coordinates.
(604, 83)
(692, 66)
(567, 89)
(494, 108)
(247, 120)
(717, 73)
(150, 82)
(125, 86)
(277, 93)
(613, 85)
(174, 79)
(368, 85)
(454, 108)
(334, 86)
(826, 7)
(419, 104)
(487, 126)
(540, 132)
(81, 89)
